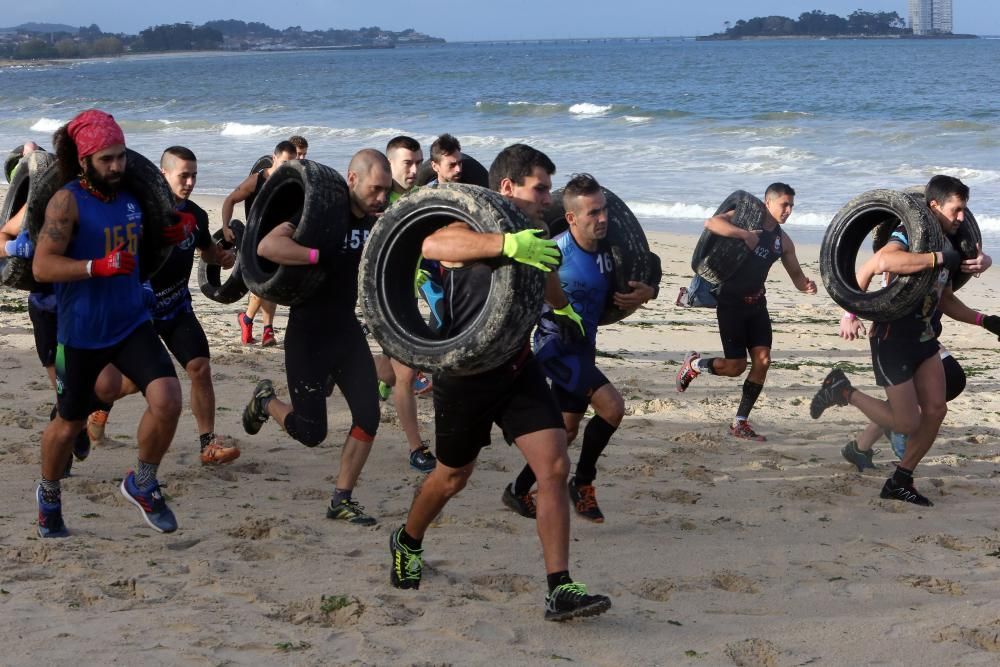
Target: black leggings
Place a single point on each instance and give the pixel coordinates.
(320, 345)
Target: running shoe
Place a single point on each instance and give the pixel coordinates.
(687, 371)
(407, 563)
(422, 384)
(741, 429)
(898, 442)
(422, 459)
(681, 297)
(50, 520)
(96, 422)
(523, 505)
(81, 445)
(384, 391)
(254, 414)
(907, 494)
(151, 503)
(246, 329)
(863, 460)
(268, 339)
(219, 450)
(351, 512)
(835, 390)
(585, 501)
(571, 600)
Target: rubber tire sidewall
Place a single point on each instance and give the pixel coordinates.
(16, 272)
(210, 275)
(717, 258)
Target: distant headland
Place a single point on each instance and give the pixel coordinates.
(817, 24)
(33, 41)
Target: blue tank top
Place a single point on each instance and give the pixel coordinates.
(586, 279)
(99, 312)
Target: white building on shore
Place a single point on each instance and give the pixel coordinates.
(929, 17)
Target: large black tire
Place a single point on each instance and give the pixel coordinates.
(390, 257)
(717, 258)
(210, 275)
(146, 183)
(850, 227)
(263, 162)
(966, 240)
(15, 272)
(627, 240)
(312, 196)
(473, 172)
(11, 161)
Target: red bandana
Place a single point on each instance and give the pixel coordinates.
(93, 131)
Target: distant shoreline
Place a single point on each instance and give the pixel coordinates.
(757, 38)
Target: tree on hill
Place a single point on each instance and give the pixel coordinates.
(818, 23)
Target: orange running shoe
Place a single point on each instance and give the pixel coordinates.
(96, 422)
(219, 450)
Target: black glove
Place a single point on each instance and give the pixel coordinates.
(992, 324)
(951, 259)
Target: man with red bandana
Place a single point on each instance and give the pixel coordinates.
(88, 249)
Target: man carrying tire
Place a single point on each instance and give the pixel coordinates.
(906, 354)
(324, 339)
(744, 323)
(570, 364)
(513, 395)
(247, 191)
(87, 247)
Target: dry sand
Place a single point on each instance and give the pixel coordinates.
(715, 551)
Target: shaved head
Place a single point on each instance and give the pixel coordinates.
(369, 180)
(367, 160)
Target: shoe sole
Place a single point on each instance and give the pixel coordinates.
(889, 496)
(426, 471)
(595, 609)
(592, 519)
(145, 517)
(370, 521)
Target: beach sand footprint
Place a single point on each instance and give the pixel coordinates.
(753, 653)
(933, 585)
(734, 583)
(984, 637)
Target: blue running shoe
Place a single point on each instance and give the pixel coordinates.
(898, 442)
(50, 521)
(422, 384)
(151, 503)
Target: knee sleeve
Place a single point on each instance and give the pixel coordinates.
(310, 432)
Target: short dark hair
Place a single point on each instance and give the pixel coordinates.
(444, 145)
(298, 141)
(179, 152)
(941, 187)
(778, 190)
(516, 162)
(285, 147)
(402, 141)
(579, 185)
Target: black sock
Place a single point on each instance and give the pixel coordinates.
(558, 579)
(707, 365)
(595, 439)
(98, 404)
(902, 476)
(206, 438)
(751, 390)
(524, 481)
(409, 542)
(340, 495)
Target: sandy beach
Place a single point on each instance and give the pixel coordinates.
(715, 551)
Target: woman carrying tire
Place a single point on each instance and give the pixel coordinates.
(744, 323)
(906, 355)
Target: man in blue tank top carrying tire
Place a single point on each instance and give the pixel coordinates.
(744, 323)
(88, 249)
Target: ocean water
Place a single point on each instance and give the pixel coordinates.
(672, 126)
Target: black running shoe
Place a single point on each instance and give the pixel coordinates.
(834, 391)
(422, 459)
(351, 512)
(81, 445)
(584, 500)
(254, 414)
(908, 494)
(523, 505)
(572, 601)
(407, 563)
(863, 460)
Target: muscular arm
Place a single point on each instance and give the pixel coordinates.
(722, 225)
(791, 263)
(458, 243)
(50, 264)
(894, 258)
(951, 306)
(214, 254)
(554, 295)
(241, 193)
(279, 247)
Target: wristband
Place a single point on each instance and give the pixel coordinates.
(979, 319)
(90, 263)
(849, 316)
(313, 255)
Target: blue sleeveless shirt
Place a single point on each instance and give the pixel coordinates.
(100, 312)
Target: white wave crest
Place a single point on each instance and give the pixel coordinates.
(674, 210)
(638, 119)
(588, 109)
(46, 125)
(241, 130)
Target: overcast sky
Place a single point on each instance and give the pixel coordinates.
(473, 19)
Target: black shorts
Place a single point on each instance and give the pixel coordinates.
(743, 327)
(183, 336)
(896, 361)
(466, 407)
(140, 357)
(44, 325)
(575, 378)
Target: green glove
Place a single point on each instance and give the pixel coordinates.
(527, 247)
(570, 324)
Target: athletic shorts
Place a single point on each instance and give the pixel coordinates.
(184, 337)
(575, 378)
(466, 407)
(140, 357)
(896, 361)
(43, 323)
(743, 327)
